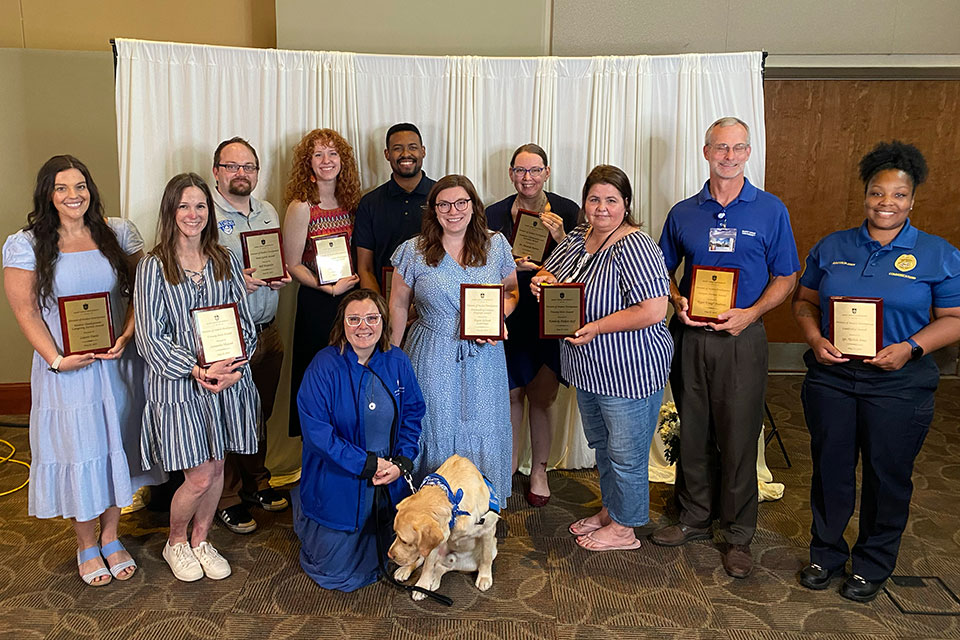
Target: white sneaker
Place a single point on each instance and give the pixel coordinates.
(214, 565)
(182, 562)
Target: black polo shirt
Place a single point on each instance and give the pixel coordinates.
(388, 216)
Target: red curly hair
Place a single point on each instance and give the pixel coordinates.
(301, 187)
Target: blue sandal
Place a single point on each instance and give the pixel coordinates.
(85, 556)
(111, 548)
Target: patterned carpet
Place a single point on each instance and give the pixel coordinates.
(545, 586)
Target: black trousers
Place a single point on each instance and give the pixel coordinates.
(719, 382)
(855, 410)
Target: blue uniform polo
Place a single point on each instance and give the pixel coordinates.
(764, 241)
(913, 273)
(388, 216)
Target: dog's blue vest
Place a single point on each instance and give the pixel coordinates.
(435, 479)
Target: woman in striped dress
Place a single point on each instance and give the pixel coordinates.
(619, 360)
(322, 195)
(194, 414)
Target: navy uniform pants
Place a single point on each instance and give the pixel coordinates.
(856, 410)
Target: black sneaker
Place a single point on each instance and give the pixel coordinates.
(237, 519)
(268, 499)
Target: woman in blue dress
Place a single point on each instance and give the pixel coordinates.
(533, 364)
(85, 408)
(464, 381)
(360, 411)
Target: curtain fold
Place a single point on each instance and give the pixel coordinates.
(646, 114)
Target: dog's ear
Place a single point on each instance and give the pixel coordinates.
(431, 535)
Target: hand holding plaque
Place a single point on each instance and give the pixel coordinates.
(86, 324)
(713, 290)
(856, 326)
(218, 334)
(263, 250)
(481, 311)
(530, 236)
(562, 309)
(333, 258)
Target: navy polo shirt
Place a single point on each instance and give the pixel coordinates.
(764, 243)
(388, 216)
(914, 272)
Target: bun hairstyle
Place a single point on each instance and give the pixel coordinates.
(894, 155)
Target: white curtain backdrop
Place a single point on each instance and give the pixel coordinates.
(645, 114)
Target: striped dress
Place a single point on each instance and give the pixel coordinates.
(625, 364)
(185, 425)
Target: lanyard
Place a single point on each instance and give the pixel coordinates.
(587, 258)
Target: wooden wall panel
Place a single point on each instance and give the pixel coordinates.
(817, 131)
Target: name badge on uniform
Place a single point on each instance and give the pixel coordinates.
(722, 240)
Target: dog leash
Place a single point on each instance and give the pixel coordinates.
(382, 555)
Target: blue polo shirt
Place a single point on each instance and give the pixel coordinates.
(764, 243)
(388, 216)
(913, 273)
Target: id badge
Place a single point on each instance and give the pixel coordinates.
(722, 240)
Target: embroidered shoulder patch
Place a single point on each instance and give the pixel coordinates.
(226, 226)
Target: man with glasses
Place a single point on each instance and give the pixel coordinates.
(390, 214)
(719, 374)
(236, 168)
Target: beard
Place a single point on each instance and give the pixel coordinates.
(405, 172)
(239, 187)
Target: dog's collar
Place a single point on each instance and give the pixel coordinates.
(435, 479)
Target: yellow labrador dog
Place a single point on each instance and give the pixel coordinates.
(450, 524)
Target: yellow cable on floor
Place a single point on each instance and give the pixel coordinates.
(9, 458)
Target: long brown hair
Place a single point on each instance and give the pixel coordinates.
(44, 222)
(302, 183)
(166, 248)
(338, 336)
(476, 240)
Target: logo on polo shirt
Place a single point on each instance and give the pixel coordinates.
(226, 226)
(906, 262)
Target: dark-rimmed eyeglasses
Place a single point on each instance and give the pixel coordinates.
(460, 205)
(233, 167)
(534, 172)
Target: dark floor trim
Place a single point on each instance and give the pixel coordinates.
(15, 398)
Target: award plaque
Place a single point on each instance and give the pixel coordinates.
(263, 250)
(218, 334)
(386, 281)
(481, 311)
(562, 309)
(333, 258)
(856, 326)
(530, 236)
(713, 290)
(85, 323)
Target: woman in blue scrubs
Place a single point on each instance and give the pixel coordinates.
(879, 408)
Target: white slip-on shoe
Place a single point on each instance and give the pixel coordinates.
(214, 565)
(183, 563)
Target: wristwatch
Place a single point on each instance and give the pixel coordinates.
(916, 351)
(55, 365)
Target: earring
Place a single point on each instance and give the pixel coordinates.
(313, 178)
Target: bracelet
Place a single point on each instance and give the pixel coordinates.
(55, 365)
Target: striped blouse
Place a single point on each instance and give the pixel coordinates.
(183, 423)
(626, 364)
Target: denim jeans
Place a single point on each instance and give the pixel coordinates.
(619, 430)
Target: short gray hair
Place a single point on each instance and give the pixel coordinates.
(726, 121)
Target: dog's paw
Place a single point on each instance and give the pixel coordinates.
(416, 595)
(403, 573)
(484, 582)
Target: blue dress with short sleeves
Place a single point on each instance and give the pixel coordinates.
(84, 424)
(464, 384)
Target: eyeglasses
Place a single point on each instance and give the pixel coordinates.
(533, 171)
(724, 149)
(233, 167)
(460, 205)
(371, 319)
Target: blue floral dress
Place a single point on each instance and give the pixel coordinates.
(464, 384)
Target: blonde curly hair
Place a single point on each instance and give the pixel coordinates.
(300, 185)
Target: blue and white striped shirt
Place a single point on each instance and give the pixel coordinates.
(626, 364)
